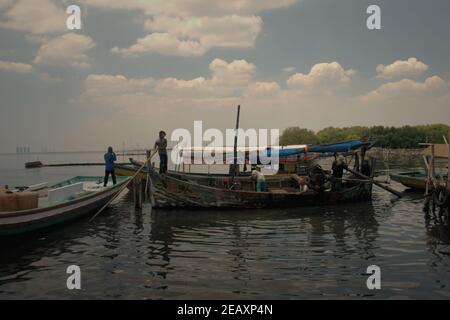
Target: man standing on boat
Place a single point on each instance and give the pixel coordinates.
(260, 179)
(161, 146)
(338, 172)
(110, 157)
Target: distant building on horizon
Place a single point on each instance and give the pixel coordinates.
(23, 150)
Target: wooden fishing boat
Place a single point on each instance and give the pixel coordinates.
(177, 189)
(417, 179)
(412, 179)
(181, 189)
(170, 191)
(33, 164)
(61, 203)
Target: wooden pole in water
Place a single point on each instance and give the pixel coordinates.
(427, 165)
(123, 188)
(138, 193)
(149, 186)
(235, 145)
(433, 166)
(448, 164)
(448, 158)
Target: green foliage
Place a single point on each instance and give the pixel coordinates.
(297, 135)
(407, 137)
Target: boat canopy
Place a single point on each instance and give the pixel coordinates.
(346, 146)
(227, 153)
(284, 152)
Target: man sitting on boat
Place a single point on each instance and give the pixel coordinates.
(338, 172)
(110, 157)
(161, 146)
(317, 178)
(260, 179)
(299, 183)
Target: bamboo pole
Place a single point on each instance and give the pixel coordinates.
(123, 188)
(427, 165)
(149, 185)
(433, 169)
(235, 145)
(137, 193)
(448, 164)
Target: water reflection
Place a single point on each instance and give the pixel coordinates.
(293, 253)
(438, 233)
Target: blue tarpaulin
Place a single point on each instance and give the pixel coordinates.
(341, 147)
(346, 146)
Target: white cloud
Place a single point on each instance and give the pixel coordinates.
(230, 83)
(263, 90)
(109, 85)
(24, 68)
(402, 68)
(226, 80)
(46, 77)
(226, 31)
(66, 50)
(21, 68)
(193, 27)
(289, 69)
(323, 76)
(408, 89)
(195, 7)
(33, 16)
(163, 43)
(195, 36)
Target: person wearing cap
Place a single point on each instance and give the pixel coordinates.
(109, 157)
(338, 172)
(161, 146)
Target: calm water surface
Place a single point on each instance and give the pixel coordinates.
(315, 253)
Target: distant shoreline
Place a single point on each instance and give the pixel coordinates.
(378, 151)
(51, 152)
(119, 153)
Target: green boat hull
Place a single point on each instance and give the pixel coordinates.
(29, 221)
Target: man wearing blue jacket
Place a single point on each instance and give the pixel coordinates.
(110, 157)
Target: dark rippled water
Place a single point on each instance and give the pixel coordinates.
(320, 252)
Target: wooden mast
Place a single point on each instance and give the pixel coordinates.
(235, 163)
(448, 163)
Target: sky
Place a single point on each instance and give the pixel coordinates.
(138, 66)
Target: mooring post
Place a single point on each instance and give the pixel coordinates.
(147, 178)
(149, 186)
(447, 141)
(137, 192)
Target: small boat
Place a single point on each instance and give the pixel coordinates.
(417, 179)
(33, 164)
(60, 203)
(411, 179)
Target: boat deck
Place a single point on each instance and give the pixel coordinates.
(89, 187)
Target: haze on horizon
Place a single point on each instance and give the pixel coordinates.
(137, 67)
